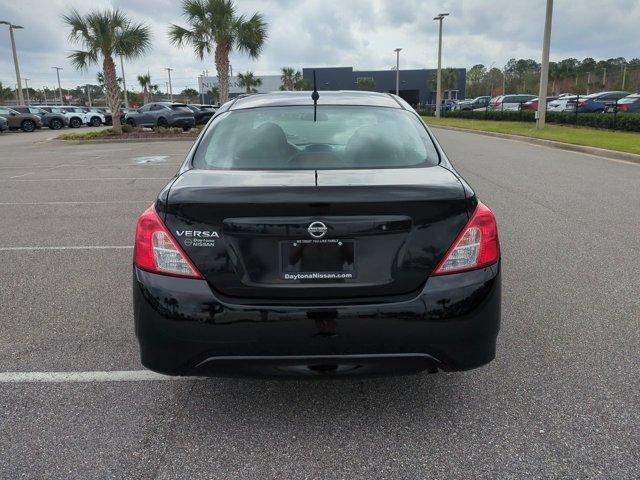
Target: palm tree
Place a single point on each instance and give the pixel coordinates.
(214, 93)
(100, 79)
(104, 34)
(302, 84)
(215, 27)
(292, 80)
(153, 90)
(145, 83)
(288, 78)
(248, 80)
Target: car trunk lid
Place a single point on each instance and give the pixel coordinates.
(383, 230)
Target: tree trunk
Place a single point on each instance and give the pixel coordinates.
(145, 95)
(112, 91)
(222, 66)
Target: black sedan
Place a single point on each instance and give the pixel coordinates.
(202, 113)
(322, 237)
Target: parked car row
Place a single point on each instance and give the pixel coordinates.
(628, 104)
(609, 102)
(14, 120)
(616, 101)
(31, 117)
(169, 114)
(159, 114)
(596, 102)
(473, 104)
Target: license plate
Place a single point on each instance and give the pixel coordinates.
(318, 260)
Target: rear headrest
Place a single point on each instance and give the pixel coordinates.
(372, 144)
(265, 141)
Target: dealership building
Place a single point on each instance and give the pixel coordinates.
(415, 85)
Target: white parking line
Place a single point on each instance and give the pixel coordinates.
(105, 202)
(115, 165)
(71, 247)
(83, 377)
(82, 179)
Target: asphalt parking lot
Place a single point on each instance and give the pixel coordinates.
(560, 401)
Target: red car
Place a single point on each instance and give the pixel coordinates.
(533, 103)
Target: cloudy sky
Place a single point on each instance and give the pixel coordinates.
(358, 33)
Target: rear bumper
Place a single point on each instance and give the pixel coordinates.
(183, 329)
(182, 122)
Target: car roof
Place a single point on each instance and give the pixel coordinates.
(607, 93)
(327, 97)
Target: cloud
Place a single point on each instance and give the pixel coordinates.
(358, 33)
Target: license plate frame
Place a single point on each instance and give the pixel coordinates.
(295, 265)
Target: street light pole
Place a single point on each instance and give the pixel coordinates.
(15, 57)
(201, 86)
(397, 50)
(26, 86)
(439, 18)
(170, 87)
(59, 87)
(544, 70)
(124, 83)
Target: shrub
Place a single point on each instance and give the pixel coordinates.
(509, 116)
(168, 130)
(108, 132)
(629, 122)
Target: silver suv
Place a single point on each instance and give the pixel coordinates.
(162, 114)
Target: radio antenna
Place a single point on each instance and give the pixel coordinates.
(315, 96)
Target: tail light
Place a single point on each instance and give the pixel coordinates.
(582, 103)
(622, 108)
(477, 245)
(156, 251)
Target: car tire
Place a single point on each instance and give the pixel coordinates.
(56, 124)
(186, 129)
(162, 122)
(28, 126)
(75, 122)
(131, 121)
(95, 122)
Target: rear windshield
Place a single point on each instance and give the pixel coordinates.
(179, 107)
(342, 137)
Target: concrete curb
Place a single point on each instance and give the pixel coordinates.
(126, 140)
(599, 152)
